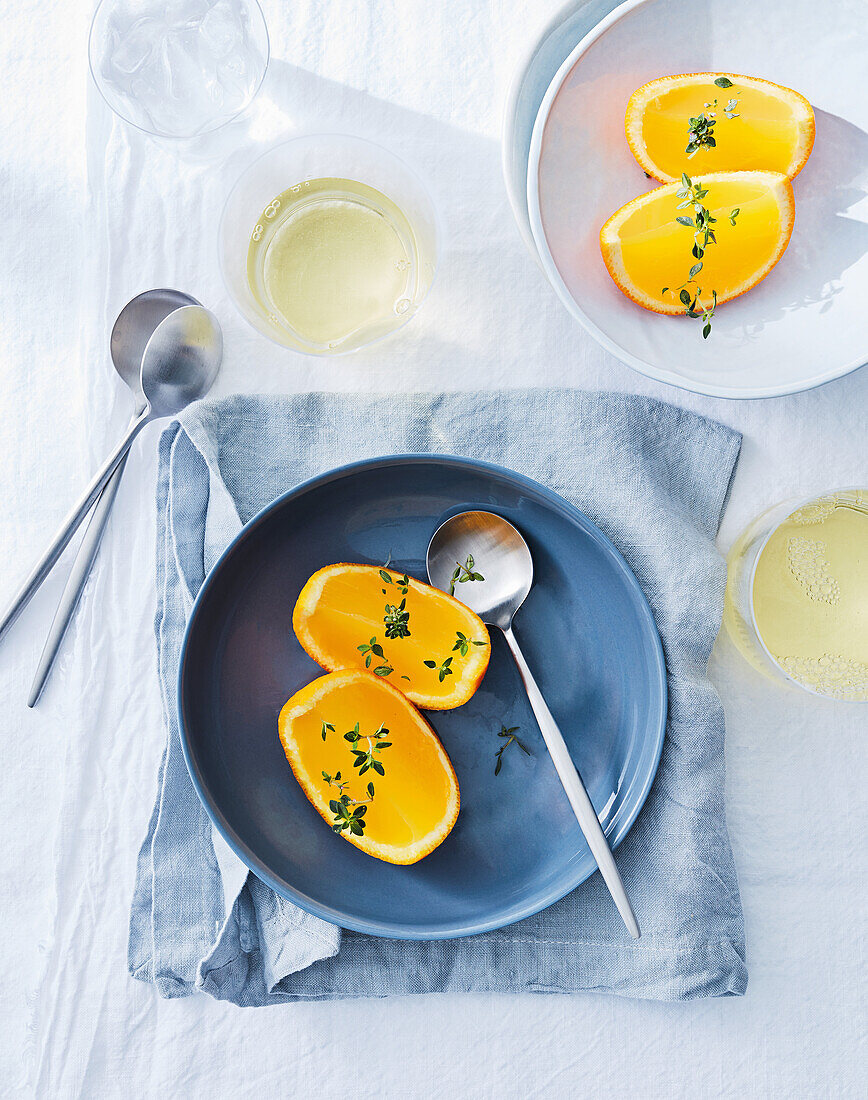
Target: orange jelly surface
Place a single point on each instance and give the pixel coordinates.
(350, 611)
(656, 249)
(761, 137)
(410, 799)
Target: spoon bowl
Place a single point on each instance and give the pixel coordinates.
(181, 360)
(135, 325)
(489, 538)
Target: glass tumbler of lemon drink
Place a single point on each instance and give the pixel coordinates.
(797, 594)
(328, 243)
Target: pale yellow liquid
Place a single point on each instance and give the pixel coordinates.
(810, 596)
(333, 263)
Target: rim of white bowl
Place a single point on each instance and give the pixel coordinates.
(642, 366)
(507, 129)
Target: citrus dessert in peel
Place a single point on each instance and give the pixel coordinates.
(716, 122)
(725, 147)
(371, 765)
(425, 643)
(666, 257)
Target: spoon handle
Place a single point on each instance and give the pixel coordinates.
(75, 582)
(72, 522)
(582, 806)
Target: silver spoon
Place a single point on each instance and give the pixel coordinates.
(179, 365)
(502, 555)
(132, 330)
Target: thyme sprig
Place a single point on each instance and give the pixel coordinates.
(346, 817)
(463, 643)
(702, 221)
(701, 128)
(349, 813)
(443, 669)
(509, 736)
(366, 759)
(373, 649)
(403, 583)
(396, 619)
(464, 573)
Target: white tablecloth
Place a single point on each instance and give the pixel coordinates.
(79, 772)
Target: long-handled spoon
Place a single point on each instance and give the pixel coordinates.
(502, 553)
(132, 330)
(180, 363)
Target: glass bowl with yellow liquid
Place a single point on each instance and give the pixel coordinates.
(796, 601)
(328, 243)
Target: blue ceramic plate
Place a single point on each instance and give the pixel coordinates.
(586, 630)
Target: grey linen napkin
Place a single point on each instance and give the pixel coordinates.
(655, 478)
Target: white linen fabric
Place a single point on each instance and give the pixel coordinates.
(78, 775)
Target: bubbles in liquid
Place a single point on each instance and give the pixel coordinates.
(402, 305)
(815, 512)
(833, 674)
(810, 595)
(808, 565)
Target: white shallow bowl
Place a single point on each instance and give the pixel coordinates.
(803, 325)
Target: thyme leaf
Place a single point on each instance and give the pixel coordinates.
(463, 643)
(509, 735)
(464, 573)
(396, 619)
(443, 669)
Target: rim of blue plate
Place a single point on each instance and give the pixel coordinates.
(619, 824)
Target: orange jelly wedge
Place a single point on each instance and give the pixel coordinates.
(647, 251)
(757, 126)
(371, 765)
(425, 643)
